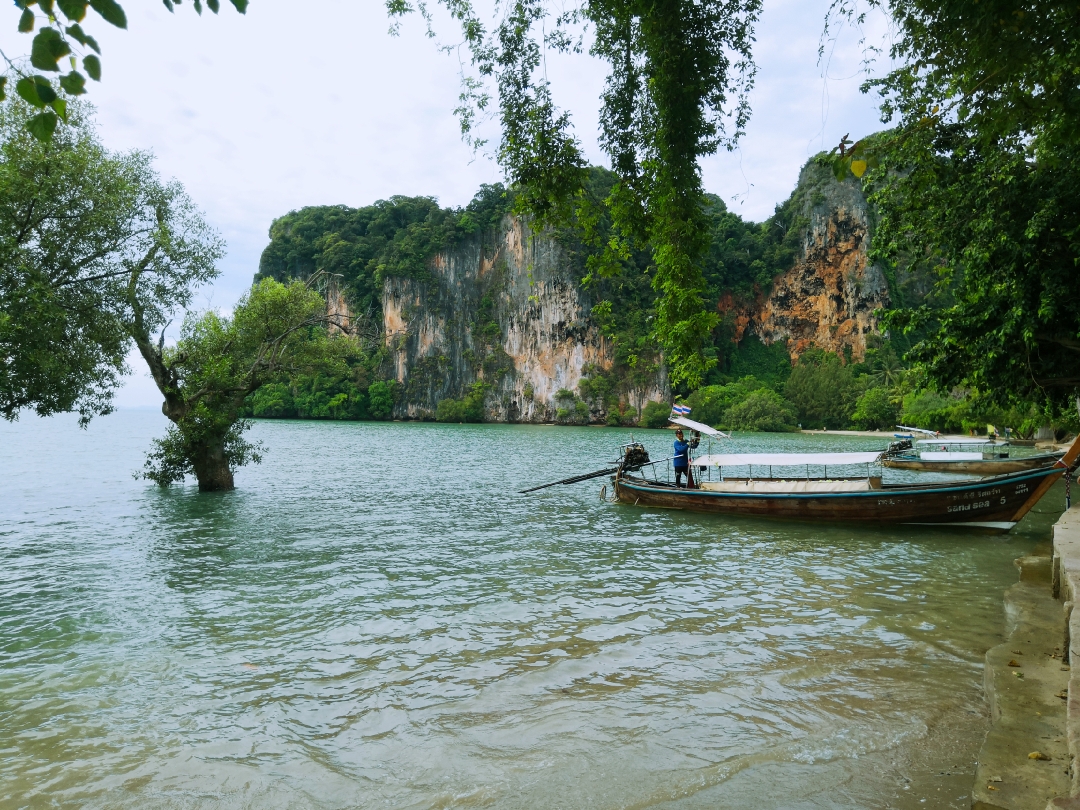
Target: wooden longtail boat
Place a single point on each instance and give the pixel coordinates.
(994, 504)
(965, 456)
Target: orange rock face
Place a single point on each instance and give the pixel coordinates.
(829, 298)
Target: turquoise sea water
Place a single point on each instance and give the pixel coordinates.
(376, 619)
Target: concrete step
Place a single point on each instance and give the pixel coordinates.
(1025, 680)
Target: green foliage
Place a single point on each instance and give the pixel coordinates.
(395, 237)
(469, 408)
(751, 358)
(175, 456)
(655, 415)
(710, 403)
(680, 74)
(875, 410)
(275, 330)
(979, 187)
(54, 42)
(381, 399)
(569, 409)
(762, 410)
(949, 413)
(91, 242)
(273, 401)
(823, 390)
(744, 257)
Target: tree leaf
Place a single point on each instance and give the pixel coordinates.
(76, 33)
(93, 67)
(111, 11)
(73, 9)
(168, 4)
(198, 6)
(60, 106)
(240, 5)
(26, 21)
(27, 90)
(47, 49)
(839, 168)
(3, 87)
(858, 167)
(74, 83)
(46, 6)
(213, 5)
(44, 89)
(42, 126)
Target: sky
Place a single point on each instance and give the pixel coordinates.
(305, 104)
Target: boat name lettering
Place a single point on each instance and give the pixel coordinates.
(967, 507)
(1021, 488)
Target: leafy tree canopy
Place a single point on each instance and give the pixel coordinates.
(90, 240)
(395, 237)
(980, 182)
(275, 329)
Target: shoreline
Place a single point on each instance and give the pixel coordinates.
(1031, 755)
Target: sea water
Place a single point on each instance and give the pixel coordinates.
(375, 618)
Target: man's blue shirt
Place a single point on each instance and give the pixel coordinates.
(682, 456)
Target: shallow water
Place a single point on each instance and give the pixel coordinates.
(375, 618)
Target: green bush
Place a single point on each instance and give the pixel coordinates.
(273, 401)
(823, 390)
(469, 408)
(710, 403)
(655, 414)
(875, 410)
(762, 410)
(380, 404)
(752, 358)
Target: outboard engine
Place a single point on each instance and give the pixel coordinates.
(899, 448)
(634, 458)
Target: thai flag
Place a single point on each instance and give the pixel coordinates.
(680, 410)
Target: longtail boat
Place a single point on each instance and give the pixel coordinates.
(965, 456)
(994, 504)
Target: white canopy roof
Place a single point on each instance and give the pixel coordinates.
(698, 426)
(960, 440)
(784, 459)
(923, 431)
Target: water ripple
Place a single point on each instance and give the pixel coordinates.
(375, 617)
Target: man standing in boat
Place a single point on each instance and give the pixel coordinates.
(681, 462)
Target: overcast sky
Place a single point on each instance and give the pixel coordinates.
(311, 104)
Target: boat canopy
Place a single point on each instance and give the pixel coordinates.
(784, 459)
(923, 431)
(954, 456)
(698, 426)
(961, 440)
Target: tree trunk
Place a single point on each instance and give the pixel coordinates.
(212, 468)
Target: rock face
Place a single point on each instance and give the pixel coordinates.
(828, 298)
(511, 314)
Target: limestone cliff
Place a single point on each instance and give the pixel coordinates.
(828, 297)
(510, 313)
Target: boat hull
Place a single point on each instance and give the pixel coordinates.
(992, 504)
(990, 466)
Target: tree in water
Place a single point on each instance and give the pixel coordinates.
(680, 72)
(218, 361)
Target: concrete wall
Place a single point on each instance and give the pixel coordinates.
(1066, 586)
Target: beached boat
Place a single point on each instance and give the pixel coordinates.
(964, 456)
(798, 486)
